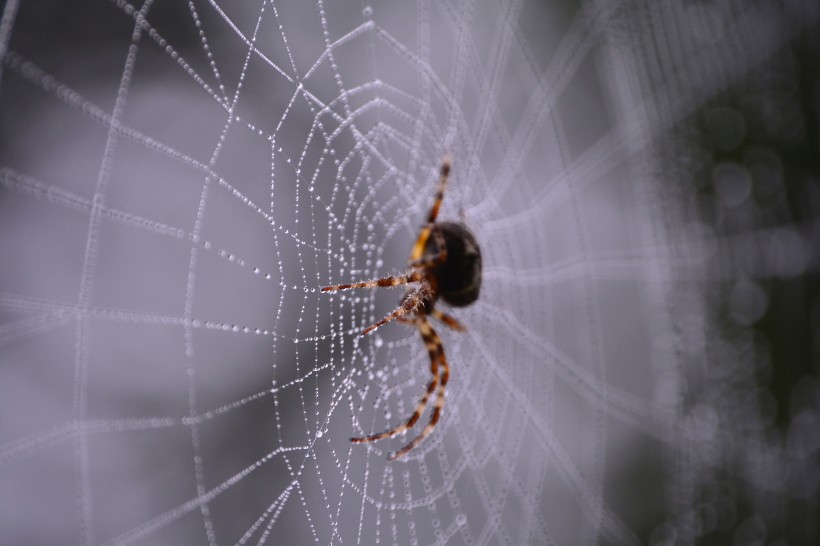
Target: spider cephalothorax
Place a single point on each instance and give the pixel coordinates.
(446, 264)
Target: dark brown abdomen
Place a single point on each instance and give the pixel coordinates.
(459, 277)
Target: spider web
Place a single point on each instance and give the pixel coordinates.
(180, 178)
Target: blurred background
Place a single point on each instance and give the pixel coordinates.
(178, 180)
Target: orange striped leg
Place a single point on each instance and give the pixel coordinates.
(449, 321)
(442, 183)
(437, 258)
(409, 303)
(434, 361)
(385, 281)
(421, 242)
(434, 347)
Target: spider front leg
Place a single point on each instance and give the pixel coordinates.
(441, 254)
(421, 242)
(442, 183)
(383, 282)
(411, 302)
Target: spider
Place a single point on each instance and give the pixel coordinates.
(446, 264)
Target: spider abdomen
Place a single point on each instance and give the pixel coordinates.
(459, 276)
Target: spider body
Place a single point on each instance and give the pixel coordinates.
(459, 276)
(446, 263)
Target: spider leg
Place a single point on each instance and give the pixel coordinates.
(442, 183)
(424, 235)
(436, 350)
(431, 387)
(393, 280)
(449, 320)
(409, 303)
(437, 258)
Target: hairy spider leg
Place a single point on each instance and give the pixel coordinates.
(424, 235)
(442, 183)
(393, 280)
(435, 259)
(431, 387)
(436, 350)
(409, 303)
(449, 320)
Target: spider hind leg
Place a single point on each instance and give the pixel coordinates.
(436, 350)
(431, 387)
(438, 382)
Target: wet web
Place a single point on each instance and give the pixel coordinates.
(179, 179)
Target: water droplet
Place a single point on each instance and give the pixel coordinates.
(766, 169)
(788, 253)
(704, 421)
(726, 127)
(747, 302)
(367, 11)
(319, 433)
(751, 531)
(663, 535)
(733, 183)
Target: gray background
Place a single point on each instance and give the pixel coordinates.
(175, 187)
